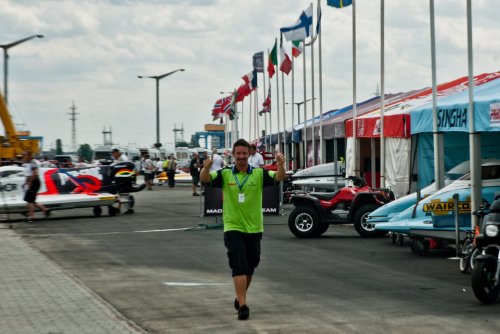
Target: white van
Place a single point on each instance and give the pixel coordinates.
(133, 154)
(102, 155)
(184, 156)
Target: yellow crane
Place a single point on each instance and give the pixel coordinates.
(11, 144)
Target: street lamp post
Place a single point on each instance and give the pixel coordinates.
(158, 78)
(6, 48)
(298, 104)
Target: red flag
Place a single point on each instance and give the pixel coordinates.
(286, 63)
(267, 103)
(243, 91)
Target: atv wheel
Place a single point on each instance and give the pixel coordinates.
(97, 211)
(305, 223)
(363, 228)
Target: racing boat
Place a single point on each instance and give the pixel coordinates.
(68, 188)
(320, 177)
(433, 217)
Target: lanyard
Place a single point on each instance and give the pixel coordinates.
(238, 182)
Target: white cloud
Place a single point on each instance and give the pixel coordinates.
(93, 51)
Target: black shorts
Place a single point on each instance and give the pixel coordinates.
(196, 179)
(243, 251)
(149, 176)
(31, 193)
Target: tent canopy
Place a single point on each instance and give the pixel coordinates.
(453, 110)
(397, 110)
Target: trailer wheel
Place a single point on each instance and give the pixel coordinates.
(112, 211)
(97, 211)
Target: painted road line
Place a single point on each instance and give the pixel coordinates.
(193, 283)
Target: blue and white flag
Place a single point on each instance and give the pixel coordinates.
(339, 3)
(302, 28)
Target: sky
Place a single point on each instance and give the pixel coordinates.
(93, 51)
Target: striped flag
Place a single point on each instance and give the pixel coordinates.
(273, 60)
(296, 48)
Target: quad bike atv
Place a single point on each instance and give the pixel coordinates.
(314, 212)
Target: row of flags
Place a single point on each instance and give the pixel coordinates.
(296, 34)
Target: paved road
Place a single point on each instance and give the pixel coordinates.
(170, 280)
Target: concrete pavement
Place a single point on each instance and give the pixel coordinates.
(38, 296)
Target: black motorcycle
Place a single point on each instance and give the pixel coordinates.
(486, 272)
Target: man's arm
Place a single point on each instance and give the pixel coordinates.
(205, 171)
(280, 173)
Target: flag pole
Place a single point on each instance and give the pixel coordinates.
(254, 115)
(250, 118)
(242, 109)
(382, 94)
(257, 127)
(355, 112)
(285, 150)
(320, 70)
(235, 123)
(264, 97)
(277, 100)
(438, 137)
(474, 137)
(270, 111)
(313, 130)
(294, 159)
(305, 105)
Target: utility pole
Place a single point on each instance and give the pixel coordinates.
(105, 140)
(181, 131)
(73, 114)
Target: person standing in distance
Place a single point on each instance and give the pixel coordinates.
(194, 169)
(242, 215)
(118, 156)
(32, 185)
(217, 161)
(255, 160)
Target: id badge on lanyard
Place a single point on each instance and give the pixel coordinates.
(241, 195)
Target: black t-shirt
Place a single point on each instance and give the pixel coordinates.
(195, 170)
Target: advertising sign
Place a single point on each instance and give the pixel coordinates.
(213, 201)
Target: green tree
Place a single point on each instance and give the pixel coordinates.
(59, 149)
(85, 151)
(181, 143)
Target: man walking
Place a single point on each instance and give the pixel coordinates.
(32, 186)
(242, 188)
